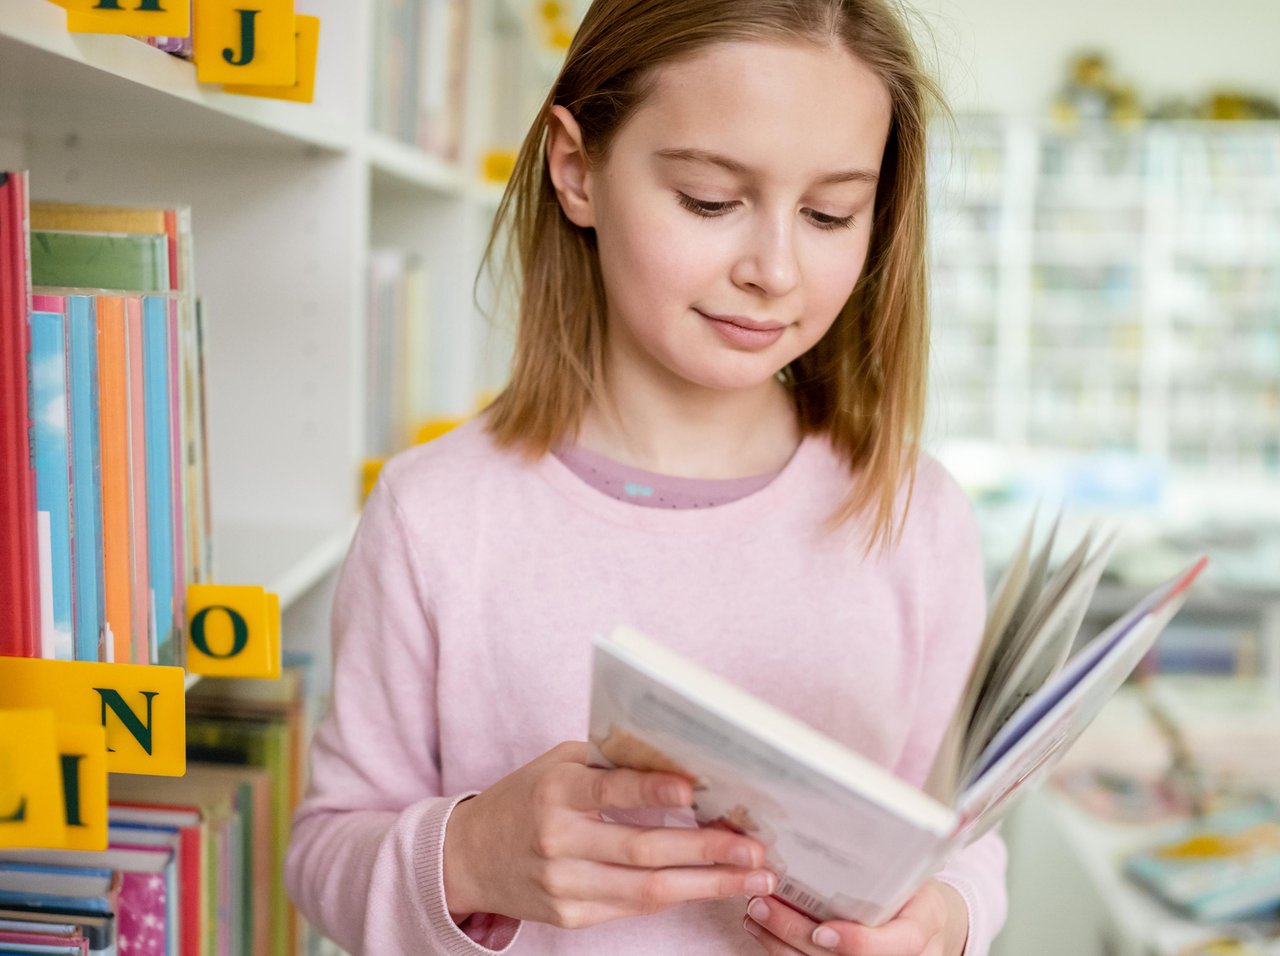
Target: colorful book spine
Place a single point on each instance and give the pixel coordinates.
(86, 477)
(51, 447)
(113, 415)
(155, 366)
(142, 604)
(131, 262)
(179, 498)
(20, 625)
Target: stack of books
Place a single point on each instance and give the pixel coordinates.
(195, 863)
(104, 464)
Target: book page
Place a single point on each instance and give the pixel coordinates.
(944, 776)
(1031, 639)
(849, 839)
(1038, 734)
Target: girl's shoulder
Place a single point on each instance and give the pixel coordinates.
(941, 514)
(452, 467)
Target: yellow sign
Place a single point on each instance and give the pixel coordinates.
(303, 90)
(162, 18)
(245, 41)
(31, 804)
(233, 631)
(142, 707)
(82, 748)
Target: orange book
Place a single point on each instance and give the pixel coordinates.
(142, 629)
(113, 417)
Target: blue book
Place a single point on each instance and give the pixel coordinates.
(54, 879)
(53, 482)
(156, 424)
(86, 477)
(54, 903)
(1223, 866)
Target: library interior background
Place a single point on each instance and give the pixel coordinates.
(1105, 300)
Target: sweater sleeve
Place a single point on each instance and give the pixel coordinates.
(365, 862)
(953, 613)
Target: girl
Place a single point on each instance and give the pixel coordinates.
(709, 434)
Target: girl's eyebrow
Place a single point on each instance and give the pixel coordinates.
(733, 166)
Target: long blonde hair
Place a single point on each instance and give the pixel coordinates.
(863, 383)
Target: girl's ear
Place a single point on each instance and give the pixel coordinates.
(568, 167)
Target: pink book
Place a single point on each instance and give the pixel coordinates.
(143, 629)
(143, 915)
(20, 938)
(179, 473)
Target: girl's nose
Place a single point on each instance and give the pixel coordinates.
(768, 262)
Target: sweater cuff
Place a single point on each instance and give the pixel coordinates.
(485, 933)
(975, 944)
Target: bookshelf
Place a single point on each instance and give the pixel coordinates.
(287, 203)
(1110, 290)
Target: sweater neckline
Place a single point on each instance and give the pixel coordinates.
(686, 520)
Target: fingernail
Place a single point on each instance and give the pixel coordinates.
(671, 794)
(760, 884)
(750, 926)
(826, 937)
(759, 910)
(741, 856)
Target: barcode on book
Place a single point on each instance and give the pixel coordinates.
(801, 897)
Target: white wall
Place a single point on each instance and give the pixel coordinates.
(1009, 56)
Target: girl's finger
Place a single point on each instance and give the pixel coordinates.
(779, 920)
(643, 891)
(590, 788)
(766, 940)
(653, 847)
(894, 938)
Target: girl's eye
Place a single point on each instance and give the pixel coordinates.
(711, 210)
(704, 208)
(823, 221)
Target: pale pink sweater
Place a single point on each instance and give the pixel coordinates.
(462, 627)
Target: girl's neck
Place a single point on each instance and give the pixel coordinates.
(713, 434)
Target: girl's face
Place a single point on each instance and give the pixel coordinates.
(733, 211)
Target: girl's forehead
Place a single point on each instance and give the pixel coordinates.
(759, 102)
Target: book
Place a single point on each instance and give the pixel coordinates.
(113, 418)
(86, 478)
(849, 839)
(99, 931)
(182, 828)
(1223, 866)
(140, 536)
(52, 454)
(126, 262)
(159, 499)
(19, 546)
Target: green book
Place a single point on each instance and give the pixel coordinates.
(126, 262)
(264, 744)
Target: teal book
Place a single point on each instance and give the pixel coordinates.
(157, 428)
(86, 478)
(1224, 866)
(126, 262)
(48, 382)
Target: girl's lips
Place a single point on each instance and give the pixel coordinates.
(743, 322)
(742, 336)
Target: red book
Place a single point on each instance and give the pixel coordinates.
(19, 597)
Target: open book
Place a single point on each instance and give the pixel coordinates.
(848, 838)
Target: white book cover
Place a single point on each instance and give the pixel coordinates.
(848, 839)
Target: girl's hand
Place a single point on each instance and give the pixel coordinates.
(533, 846)
(935, 922)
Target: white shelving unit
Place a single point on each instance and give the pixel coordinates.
(287, 201)
(1110, 290)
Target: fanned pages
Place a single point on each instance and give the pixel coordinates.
(1016, 646)
(851, 840)
(941, 784)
